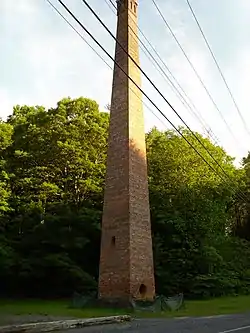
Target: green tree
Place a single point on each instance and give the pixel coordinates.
(57, 167)
(241, 227)
(52, 168)
(188, 204)
(5, 141)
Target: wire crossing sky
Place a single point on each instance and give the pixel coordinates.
(219, 69)
(44, 60)
(100, 46)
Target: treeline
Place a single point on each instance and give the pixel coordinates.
(52, 170)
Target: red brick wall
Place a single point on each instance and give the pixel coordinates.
(127, 264)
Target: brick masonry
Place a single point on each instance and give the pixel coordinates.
(126, 260)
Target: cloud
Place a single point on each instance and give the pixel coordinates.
(230, 54)
(44, 60)
(48, 59)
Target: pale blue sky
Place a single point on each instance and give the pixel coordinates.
(43, 60)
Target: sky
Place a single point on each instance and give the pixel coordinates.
(43, 60)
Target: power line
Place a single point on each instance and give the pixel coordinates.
(113, 4)
(170, 82)
(189, 106)
(151, 82)
(178, 84)
(139, 88)
(218, 67)
(84, 39)
(195, 71)
(107, 29)
(109, 3)
(78, 33)
(160, 70)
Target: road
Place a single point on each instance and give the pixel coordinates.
(216, 324)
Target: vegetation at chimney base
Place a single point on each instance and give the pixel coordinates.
(30, 309)
(52, 169)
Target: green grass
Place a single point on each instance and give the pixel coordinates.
(60, 308)
(51, 308)
(211, 307)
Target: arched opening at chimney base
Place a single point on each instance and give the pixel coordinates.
(113, 241)
(143, 290)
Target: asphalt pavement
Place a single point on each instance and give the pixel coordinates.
(215, 324)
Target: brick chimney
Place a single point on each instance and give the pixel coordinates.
(126, 260)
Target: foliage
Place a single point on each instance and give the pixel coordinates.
(190, 216)
(52, 170)
(5, 141)
(56, 167)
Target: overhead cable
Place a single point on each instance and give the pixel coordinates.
(139, 88)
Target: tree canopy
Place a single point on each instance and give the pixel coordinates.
(52, 171)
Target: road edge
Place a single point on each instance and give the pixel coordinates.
(63, 324)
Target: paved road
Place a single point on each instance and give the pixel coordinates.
(219, 324)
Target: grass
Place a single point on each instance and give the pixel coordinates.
(60, 308)
(51, 308)
(211, 307)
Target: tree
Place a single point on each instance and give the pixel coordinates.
(57, 167)
(241, 227)
(5, 141)
(188, 203)
(52, 168)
